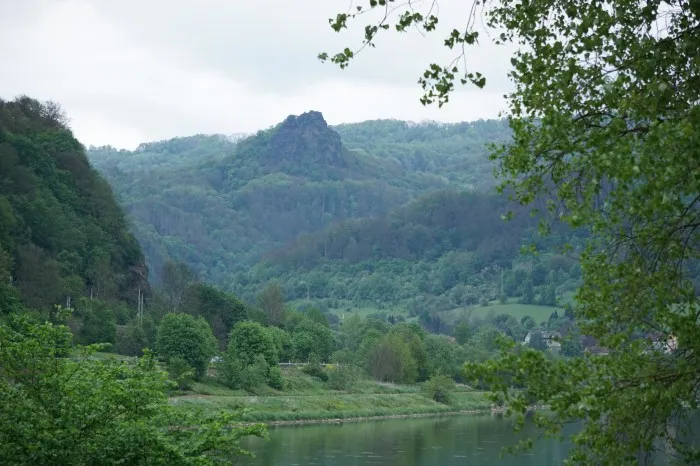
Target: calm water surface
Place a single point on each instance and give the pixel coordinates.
(474, 440)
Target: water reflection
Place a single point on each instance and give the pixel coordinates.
(454, 440)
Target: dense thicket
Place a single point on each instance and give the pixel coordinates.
(62, 232)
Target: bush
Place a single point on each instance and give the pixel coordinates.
(229, 371)
(136, 337)
(274, 378)
(343, 377)
(181, 373)
(439, 388)
(253, 376)
(315, 370)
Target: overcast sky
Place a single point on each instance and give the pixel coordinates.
(130, 71)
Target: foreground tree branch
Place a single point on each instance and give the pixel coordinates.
(606, 124)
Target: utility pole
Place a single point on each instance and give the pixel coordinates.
(139, 309)
(502, 270)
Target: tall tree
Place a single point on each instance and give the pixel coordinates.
(186, 337)
(176, 276)
(605, 131)
(271, 302)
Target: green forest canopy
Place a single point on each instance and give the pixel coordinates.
(62, 233)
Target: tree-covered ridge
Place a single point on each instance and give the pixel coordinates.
(457, 151)
(62, 233)
(220, 206)
(425, 228)
(442, 251)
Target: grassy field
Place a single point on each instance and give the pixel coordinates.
(347, 309)
(307, 398)
(539, 313)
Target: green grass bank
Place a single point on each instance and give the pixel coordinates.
(307, 399)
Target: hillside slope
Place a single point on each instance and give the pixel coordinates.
(221, 206)
(62, 233)
(441, 251)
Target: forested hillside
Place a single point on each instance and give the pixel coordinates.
(384, 215)
(220, 206)
(62, 233)
(442, 251)
(457, 152)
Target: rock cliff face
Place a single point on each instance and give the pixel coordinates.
(306, 139)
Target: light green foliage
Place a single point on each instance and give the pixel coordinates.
(181, 373)
(343, 376)
(251, 358)
(283, 343)
(315, 315)
(314, 369)
(439, 388)
(186, 337)
(390, 359)
(250, 339)
(413, 336)
(351, 332)
(442, 356)
(254, 375)
(275, 378)
(312, 340)
(229, 371)
(85, 411)
(605, 123)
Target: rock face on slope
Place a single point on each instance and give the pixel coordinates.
(306, 139)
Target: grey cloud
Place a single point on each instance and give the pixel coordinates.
(272, 44)
(128, 71)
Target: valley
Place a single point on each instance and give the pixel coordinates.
(381, 218)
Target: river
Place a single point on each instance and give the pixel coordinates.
(474, 440)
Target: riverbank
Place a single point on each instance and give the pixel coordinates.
(308, 400)
(379, 418)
